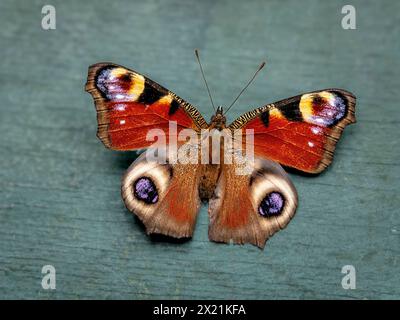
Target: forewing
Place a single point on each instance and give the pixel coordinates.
(129, 105)
(300, 132)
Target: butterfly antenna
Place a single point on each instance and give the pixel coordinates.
(196, 52)
(251, 80)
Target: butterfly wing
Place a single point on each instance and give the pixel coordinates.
(251, 207)
(164, 196)
(129, 105)
(302, 131)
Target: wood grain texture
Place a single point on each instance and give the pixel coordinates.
(60, 198)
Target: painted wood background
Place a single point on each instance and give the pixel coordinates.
(60, 188)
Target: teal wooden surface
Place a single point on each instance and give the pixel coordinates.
(60, 188)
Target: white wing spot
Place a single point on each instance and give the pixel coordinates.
(316, 130)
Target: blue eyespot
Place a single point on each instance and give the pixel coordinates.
(272, 204)
(145, 190)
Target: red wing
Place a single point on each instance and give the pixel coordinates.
(129, 105)
(165, 197)
(251, 207)
(300, 132)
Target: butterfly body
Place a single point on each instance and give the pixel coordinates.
(218, 121)
(208, 182)
(248, 201)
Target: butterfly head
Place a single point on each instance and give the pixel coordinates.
(218, 121)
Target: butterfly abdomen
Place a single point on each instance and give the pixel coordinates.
(208, 181)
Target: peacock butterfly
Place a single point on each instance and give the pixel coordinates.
(299, 132)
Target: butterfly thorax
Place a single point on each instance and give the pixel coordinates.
(218, 121)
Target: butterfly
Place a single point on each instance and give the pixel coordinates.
(299, 132)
